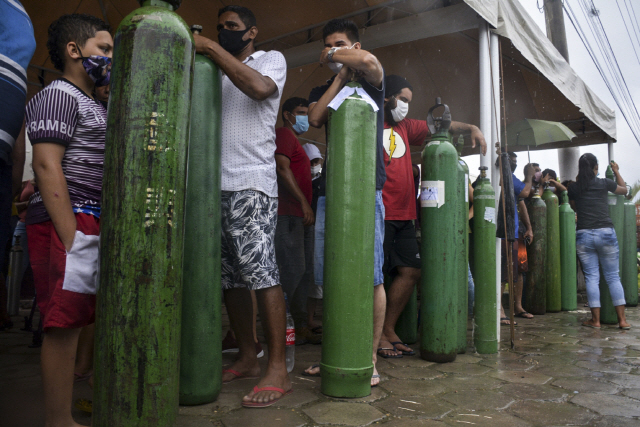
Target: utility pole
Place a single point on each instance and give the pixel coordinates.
(554, 18)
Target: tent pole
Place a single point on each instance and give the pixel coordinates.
(485, 89)
(610, 151)
(495, 137)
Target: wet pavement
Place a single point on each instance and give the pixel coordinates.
(559, 374)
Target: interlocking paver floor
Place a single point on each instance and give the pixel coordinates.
(559, 374)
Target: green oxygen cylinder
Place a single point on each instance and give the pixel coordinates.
(629, 274)
(138, 313)
(441, 247)
(463, 261)
(407, 323)
(535, 292)
(568, 265)
(608, 314)
(485, 319)
(201, 343)
(552, 261)
(349, 249)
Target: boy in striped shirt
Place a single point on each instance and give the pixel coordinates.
(67, 127)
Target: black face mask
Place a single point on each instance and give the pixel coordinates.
(513, 167)
(231, 41)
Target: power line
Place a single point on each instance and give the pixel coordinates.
(606, 63)
(628, 33)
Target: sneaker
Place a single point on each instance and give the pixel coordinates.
(229, 344)
(305, 336)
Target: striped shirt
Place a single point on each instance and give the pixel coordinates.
(63, 114)
(17, 45)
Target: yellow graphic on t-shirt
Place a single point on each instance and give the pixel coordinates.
(393, 144)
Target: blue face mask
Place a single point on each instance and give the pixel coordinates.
(302, 124)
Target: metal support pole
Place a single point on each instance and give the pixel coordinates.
(485, 89)
(495, 137)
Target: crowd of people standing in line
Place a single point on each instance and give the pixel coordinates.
(273, 194)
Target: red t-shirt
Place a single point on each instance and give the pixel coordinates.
(398, 193)
(288, 145)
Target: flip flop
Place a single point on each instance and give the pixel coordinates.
(375, 376)
(522, 314)
(306, 374)
(257, 389)
(625, 328)
(387, 356)
(237, 376)
(404, 353)
(587, 325)
(507, 324)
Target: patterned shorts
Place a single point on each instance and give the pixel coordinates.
(249, 220)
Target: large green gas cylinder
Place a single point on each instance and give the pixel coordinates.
(463, 261)
(535, 292)
(139, 300)
(485, 319)
(441, 245)
(629, 272)
(616, 212)
(552, 262)
(346, 366)
(201, 343)
(568, 264)
(407, 324)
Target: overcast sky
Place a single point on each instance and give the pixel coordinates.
(627, 150)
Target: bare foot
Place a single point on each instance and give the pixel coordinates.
(386, 349)
(396, 342)
(591, 324)
(624, 324)
(246, 369)
(313, 370)
(375, 378)
(273, 378)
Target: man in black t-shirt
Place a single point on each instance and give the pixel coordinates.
(344, 55)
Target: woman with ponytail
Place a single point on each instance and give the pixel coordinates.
(596, 241)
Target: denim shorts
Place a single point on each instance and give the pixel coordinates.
(378, 262)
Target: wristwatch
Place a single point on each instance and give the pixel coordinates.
(331, 52)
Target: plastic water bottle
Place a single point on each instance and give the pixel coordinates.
(290, 348)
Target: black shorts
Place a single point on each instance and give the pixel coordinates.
(400, 246)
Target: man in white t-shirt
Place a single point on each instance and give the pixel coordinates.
(252, 86)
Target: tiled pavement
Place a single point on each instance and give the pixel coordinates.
(559, 374)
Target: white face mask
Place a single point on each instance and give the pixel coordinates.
(336, 66)
(315, 170)
(401, 111)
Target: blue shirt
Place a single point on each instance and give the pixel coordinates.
(17, 45)
(518, 186)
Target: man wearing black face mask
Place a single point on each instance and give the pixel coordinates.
(252, 86)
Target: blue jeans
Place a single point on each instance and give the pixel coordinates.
(318, 265)
(597, 248)
(471, 291)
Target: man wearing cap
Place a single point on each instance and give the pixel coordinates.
(401, 252)
(294, 232)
